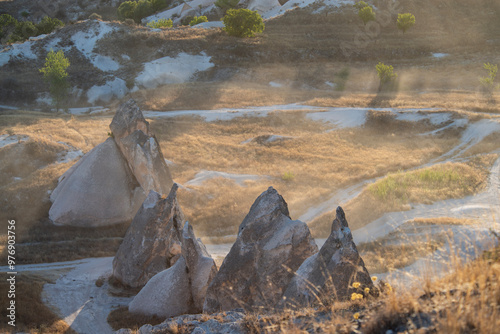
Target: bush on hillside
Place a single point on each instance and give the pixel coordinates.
(488, 82)
(161, 23)
(385, 73)
(360, 5)
(226, 4)
(405, 21)
(186, 20)
(366, 14)
(55, 74)
(48, 25)
(23, 31)
(137, 10)
(7, 25)
(243, 23)
(197, 20)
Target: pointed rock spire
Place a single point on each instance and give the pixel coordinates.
(330, 272)
(269, 248)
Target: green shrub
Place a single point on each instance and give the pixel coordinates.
(197, 20)
(161, 23)
(226, 4)
(186, 19)
(243, 23)
(288, 177)
(360, 5)
(159, 4)
(366, 14)
(7, 25)
(25, 14)
(488, 82)
(385, 73)
(405, 21)
(54, 73)
(48, 25)
(126, 10)
(23, 31)
(144, 8)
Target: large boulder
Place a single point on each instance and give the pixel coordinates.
(180, 289)
(140, 148)
(331, 272)
(151, 243)
(269, 248)
(98, 190)
(108, 184)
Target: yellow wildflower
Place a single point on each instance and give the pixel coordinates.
(374, 278)
(367, 291)
(355, 316)
(356, 296)
(389, 287)
(356, 285)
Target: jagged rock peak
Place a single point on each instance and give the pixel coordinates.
(331, 272)
(152, 241)
(269, 204)
(128, 118)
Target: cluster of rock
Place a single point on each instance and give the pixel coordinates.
(274, 263)
(109, 183)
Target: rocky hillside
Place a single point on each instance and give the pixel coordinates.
(110, 59)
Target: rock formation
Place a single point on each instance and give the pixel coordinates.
(330, 272)
(98, 190)
(180, 289)
(109, 183)
(269, 248)
(140, 148)
(151, 243)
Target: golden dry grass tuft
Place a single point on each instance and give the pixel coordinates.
(122, 318)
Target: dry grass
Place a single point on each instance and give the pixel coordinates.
(32, 315)
(443, 221)
(397, 191)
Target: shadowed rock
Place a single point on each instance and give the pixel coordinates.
(269, 248)
(180, 289)
(330, 272)
(98, 190)
(140, 149)
(151, 243)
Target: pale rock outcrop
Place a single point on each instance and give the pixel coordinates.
(109, 183)
(151, 243)
(269, 248)
(140, 148)
(330, 272)
(180, 289)
(98, 190)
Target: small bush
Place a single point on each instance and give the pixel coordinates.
(288, 177)
(95, 16)
(226, 4)
(54, 73)
(488, 82)
(7, 25)
(360, 5)
(186, 19)
(366, 14)
(243, 23)
(144, 8)
(385, 73)
(161, 23)
(126, 10)
(48, 25)
(25, 14)
(197, 20)
(405, 21)
(23, 31)
(159, 4)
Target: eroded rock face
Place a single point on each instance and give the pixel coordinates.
(98, 190)
(152, 242)
(269, 248)
(180, 289)
(140, 149)
(330, 272)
